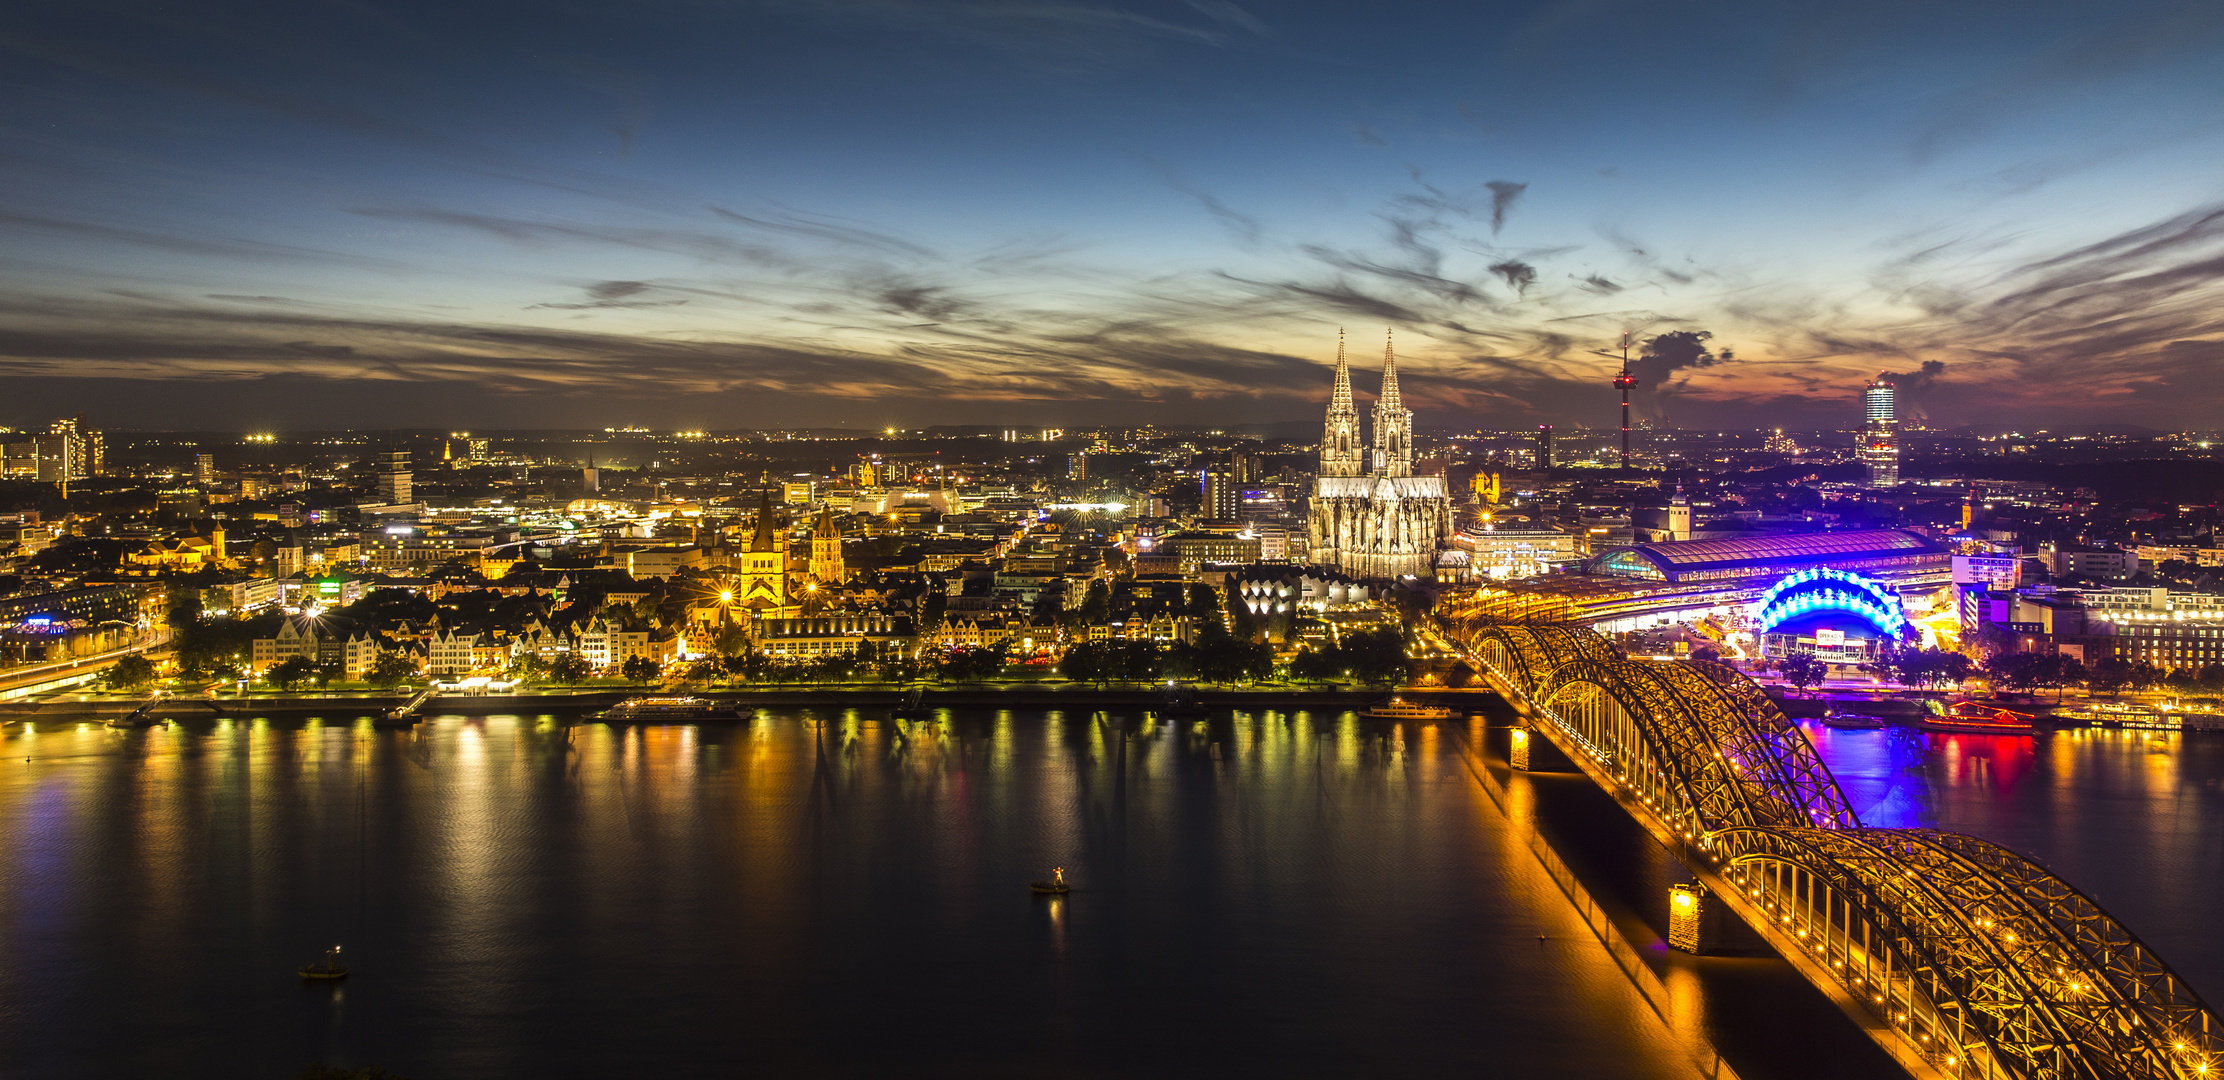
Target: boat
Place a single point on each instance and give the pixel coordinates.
(913, 706)
(1972, 718)
(1056, 886)
(2120, 715)
(1401, 709)
(404, 714)
(141, 717)
(669, 710)
(1178, 700)
(328, 968)
(1832, 718)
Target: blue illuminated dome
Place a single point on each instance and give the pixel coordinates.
(1835, 612)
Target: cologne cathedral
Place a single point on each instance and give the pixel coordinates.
(1371, 517)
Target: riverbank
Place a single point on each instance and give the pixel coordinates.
(1014, 696)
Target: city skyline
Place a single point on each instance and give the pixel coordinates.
(863, 215)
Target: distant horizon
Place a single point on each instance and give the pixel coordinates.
(851, 213)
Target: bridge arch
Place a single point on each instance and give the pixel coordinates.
(1984, 962)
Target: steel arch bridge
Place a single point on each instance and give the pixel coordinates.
(1967, 959)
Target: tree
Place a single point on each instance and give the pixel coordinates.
(569, 669)
(1803, 670)
(291, 672)
(1096, 603)
(129, 673)
(1084, 663)
(184, 613)
(639, 669)
(1376, 656)
(391, 670)
(528, 669)
(2108, 675)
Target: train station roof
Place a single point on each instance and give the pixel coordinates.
(1674, 560)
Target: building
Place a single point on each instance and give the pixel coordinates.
(1193, 550)
(1880, 434)
(450, 653)
(204, 470)
(1544, 446)
(760, 574)
(1223, 492)
(826, 550)
(1679, 516)
(1896, 556)
(394, 478)
(1516, 553)
(1370, 516)
(2098, 564)
(1077, 466)
(832, 635)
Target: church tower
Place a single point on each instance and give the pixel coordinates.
(761, 573)
(826, 550)
(1393, 422)
(1340, 451)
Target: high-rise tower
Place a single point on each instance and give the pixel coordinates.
(1623, 382)
(1393, 421)
(1544, 446)
(1880, 433)
(1340, 451)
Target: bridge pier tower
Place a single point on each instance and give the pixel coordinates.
(1517, 749)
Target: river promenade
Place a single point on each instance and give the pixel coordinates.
(1018, 695)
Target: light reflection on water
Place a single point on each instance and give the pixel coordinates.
(2133, 818)
(821, 893)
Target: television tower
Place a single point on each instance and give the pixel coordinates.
(1623, 382)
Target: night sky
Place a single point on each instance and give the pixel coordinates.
(873, 212)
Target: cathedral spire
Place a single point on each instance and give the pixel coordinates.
(1341, 454)
(1393, 424)
(1340, 397)
(1389, 372)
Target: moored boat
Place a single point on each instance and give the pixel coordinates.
(1971, 718)
(2120, 715)
(1851, 721)
(1056, 886)
(1401, 709)
(675, 709)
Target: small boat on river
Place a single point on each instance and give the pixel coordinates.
(1832, 718)
(913, 706)
(328, 968)
(669, 710)
(1401, 709)
(1056, 886)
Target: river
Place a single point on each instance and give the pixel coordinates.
(831, 894)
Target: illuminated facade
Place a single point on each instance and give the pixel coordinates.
(760, 574)
(1370, 516)
(1839, 616)
(1880, 434)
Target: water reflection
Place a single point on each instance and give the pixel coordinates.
(2135, 818)
(827, 893)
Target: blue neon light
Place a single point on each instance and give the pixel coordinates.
(1822, 589)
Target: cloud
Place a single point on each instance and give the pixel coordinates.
(1519, 275)
(1503, 195)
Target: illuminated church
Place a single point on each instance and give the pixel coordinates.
(1371, 517)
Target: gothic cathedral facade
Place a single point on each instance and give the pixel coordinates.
(1370, 516)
